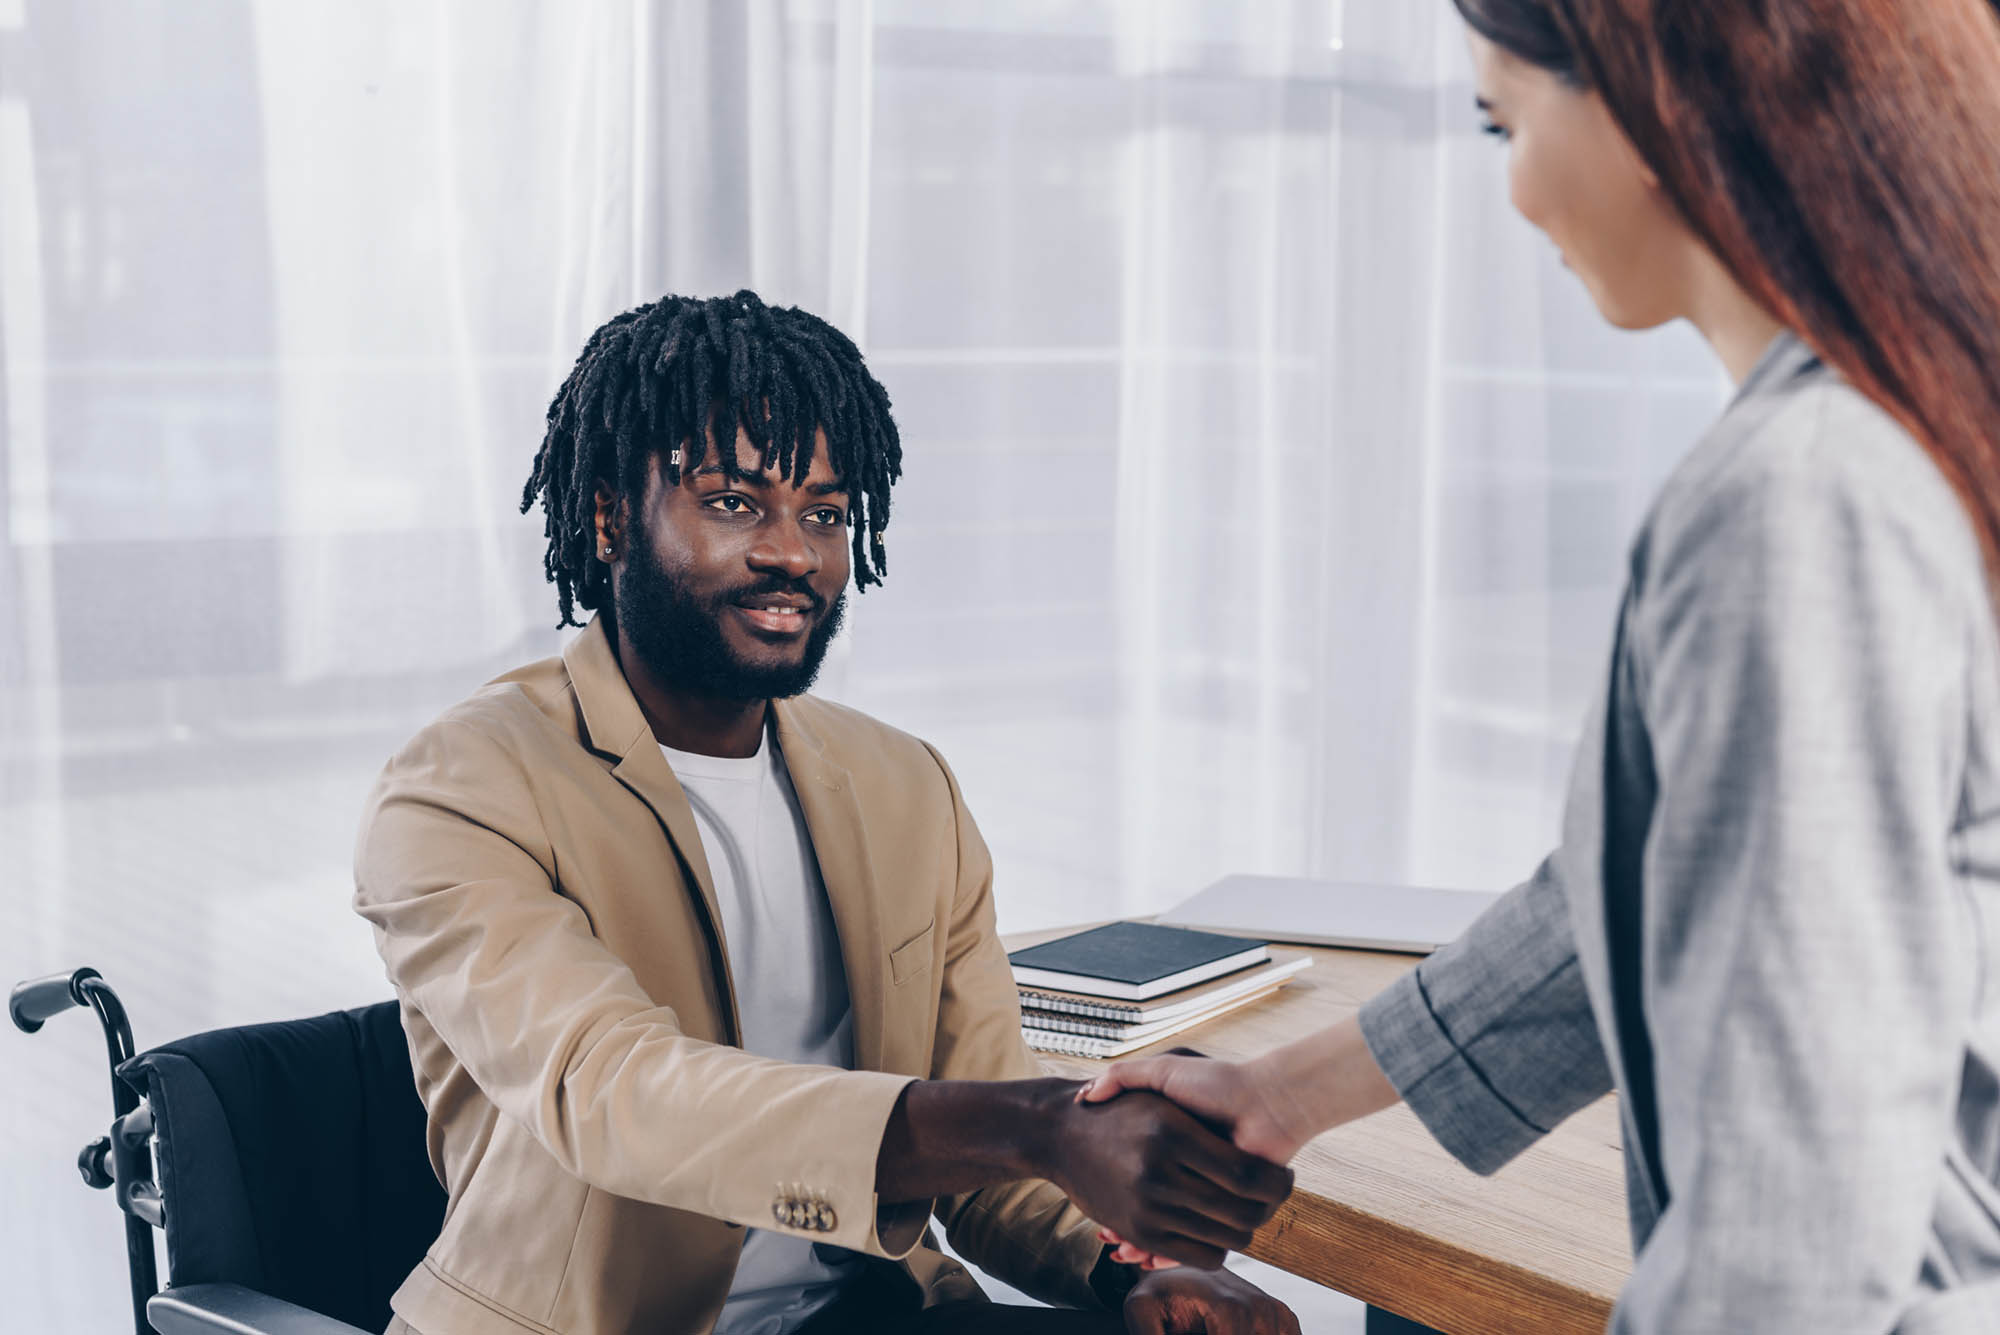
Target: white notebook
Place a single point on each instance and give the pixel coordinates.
(1332, 913)
(1060, 1034)
(1055, 1022)
(1081, 1045)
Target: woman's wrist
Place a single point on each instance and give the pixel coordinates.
(1322, 1081)
(1286, 1081)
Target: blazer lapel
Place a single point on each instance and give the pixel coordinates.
(833, 817)
(616, 728)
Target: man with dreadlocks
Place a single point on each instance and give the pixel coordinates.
(700, 974)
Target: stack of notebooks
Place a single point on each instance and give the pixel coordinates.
(1113, 989)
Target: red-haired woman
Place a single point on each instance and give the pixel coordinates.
(1773, 924)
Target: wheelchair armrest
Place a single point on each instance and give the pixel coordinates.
(231, 1309)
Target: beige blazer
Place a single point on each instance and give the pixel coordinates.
(538, 892)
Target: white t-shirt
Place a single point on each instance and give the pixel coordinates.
(791, 991)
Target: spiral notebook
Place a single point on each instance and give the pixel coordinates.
(1081, 1045)
(1087, 1035)
(1076, 1024)
(1138, 1036)
(1282, 965)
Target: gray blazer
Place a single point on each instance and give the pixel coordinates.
(1774, 919)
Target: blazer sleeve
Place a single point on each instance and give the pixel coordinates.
(1026, 1233)
(455, 872)
(1804, 662)
(1491, 1041)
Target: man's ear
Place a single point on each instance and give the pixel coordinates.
(610, 523)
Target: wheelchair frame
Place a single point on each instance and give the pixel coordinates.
(123, 1161)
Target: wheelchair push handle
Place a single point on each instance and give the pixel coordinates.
(39, 1000)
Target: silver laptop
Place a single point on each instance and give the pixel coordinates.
(1332, 913)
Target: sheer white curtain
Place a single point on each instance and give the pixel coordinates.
(1267, 482)
(454, 204)
(1269, 479)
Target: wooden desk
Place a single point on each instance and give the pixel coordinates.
(1381, 1212)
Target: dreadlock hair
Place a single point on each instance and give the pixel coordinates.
(683, 371)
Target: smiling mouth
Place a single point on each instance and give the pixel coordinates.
(776, 620)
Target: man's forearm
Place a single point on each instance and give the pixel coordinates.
(950, 1136)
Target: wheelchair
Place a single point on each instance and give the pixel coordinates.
(285, 1163)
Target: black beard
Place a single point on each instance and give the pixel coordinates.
(679, 636)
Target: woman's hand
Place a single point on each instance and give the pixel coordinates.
(1234, 1096)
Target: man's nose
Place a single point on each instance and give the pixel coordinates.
(782, 548)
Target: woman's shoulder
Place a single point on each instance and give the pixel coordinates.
(1805, 458)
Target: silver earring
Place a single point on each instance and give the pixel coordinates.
(607, 551)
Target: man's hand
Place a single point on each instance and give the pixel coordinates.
(1187, 1302)
(1147, 1169)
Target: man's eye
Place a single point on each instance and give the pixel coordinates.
(730, 503)
(831, 518)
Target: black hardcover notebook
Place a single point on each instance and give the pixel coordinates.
(1133, 960)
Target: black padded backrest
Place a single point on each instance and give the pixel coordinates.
(291, 1158)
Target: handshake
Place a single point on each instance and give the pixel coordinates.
(1180, 1158)
(1205, 1142)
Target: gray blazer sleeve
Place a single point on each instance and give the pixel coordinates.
(1802, 654)
(1491, 1041)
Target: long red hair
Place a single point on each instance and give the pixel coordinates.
(1842, 158)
